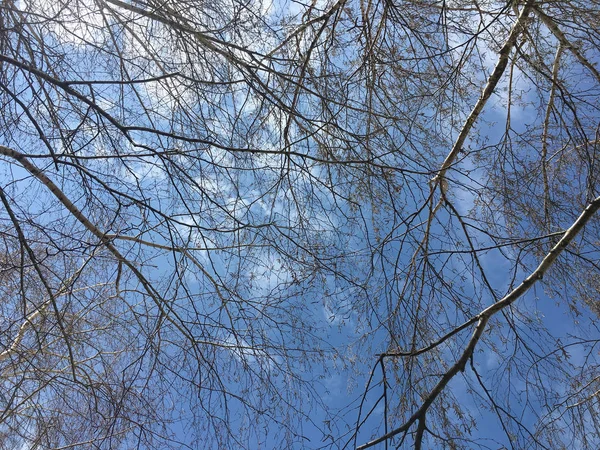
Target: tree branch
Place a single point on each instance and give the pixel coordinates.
(487, 313)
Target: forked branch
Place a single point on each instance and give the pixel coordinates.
(484, 316)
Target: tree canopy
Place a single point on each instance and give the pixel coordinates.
(299, 224)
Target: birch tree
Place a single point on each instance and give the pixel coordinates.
(212, 211)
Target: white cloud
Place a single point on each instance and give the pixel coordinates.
(248, 354)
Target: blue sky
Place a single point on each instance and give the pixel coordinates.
(287, 239)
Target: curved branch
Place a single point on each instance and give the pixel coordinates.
(483, 318)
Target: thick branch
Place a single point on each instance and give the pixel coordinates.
(549, 107)
(165, 309)
(487, 313)
(566, 43)
(492, 82)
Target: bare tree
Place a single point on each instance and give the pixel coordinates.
(208, 208)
